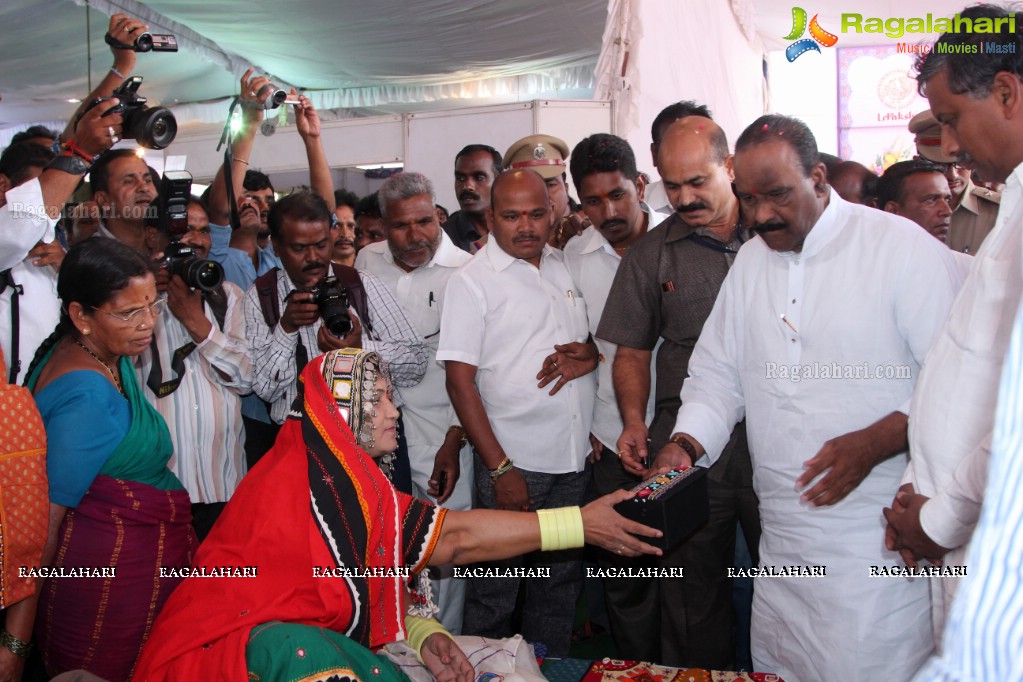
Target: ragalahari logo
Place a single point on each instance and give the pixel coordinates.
(819, 35)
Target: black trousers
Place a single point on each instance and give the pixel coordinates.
(688, 621)
(259, 437)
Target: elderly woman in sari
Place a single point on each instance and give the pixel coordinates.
(310, 613)
(114, 504)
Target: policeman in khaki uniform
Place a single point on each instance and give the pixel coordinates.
(974, 208)
(547, 155)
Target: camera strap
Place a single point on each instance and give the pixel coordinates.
(7, 280)
(117, 44)
(156, 384)
(349, 278)
(266, 290)
(217, 300)
(228, 138)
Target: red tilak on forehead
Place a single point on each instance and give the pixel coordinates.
(766, 127)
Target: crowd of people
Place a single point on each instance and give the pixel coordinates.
(274, 475)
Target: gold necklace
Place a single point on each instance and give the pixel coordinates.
(117, 380)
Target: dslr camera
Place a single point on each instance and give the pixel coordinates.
(332, 300)
(153, 128)
(171, 218)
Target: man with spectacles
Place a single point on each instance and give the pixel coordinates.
(974, 208)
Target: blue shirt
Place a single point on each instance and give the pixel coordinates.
(239, 270)
(237, 264)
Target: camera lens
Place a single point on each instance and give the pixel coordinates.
(153, 128)
(275, 99)
(144, 43)
(332, 300)
(205, 274)
(198, 274)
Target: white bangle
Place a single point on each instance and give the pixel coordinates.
(113, 70)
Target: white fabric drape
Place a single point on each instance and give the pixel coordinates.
(703, 50)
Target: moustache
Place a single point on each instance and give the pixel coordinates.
(313, 267)
(467, 195)
(763, 228)
(248, 207)
(525, 236)
(689, 208)
(415, 246)
(612, 224)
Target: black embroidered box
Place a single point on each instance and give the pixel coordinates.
(674, 502)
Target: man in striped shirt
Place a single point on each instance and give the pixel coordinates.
(195, 374)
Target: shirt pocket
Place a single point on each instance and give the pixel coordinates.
(578, 322)
(685, 308)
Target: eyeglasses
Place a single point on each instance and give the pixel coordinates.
(135, 317)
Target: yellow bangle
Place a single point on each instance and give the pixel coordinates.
(417, 630)
(561, 528)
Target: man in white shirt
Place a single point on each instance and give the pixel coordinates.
(816, 336)
(415, 263)
(519, 366)
(977, 101)
(28, 248)
(29, 307)
(610, 190)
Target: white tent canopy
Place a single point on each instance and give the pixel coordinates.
(371, 57)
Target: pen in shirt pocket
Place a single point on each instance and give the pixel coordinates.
(571, 296)
(430, 300)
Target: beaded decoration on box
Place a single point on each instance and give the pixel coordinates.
(659, 486)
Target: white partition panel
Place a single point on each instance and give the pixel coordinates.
(573, 120)
(426, 142)
(435, 137)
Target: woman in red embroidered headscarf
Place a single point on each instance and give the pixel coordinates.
(311, 521)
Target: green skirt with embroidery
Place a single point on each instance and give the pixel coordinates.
(289, 652)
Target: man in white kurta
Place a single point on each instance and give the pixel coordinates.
(816, 337)
(415, 263)
(953, 408)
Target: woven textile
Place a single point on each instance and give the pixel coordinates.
(24, 503)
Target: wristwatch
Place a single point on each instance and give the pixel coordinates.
(69, 163)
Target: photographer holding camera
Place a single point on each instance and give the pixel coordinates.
(197, 369)
(285, 325)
